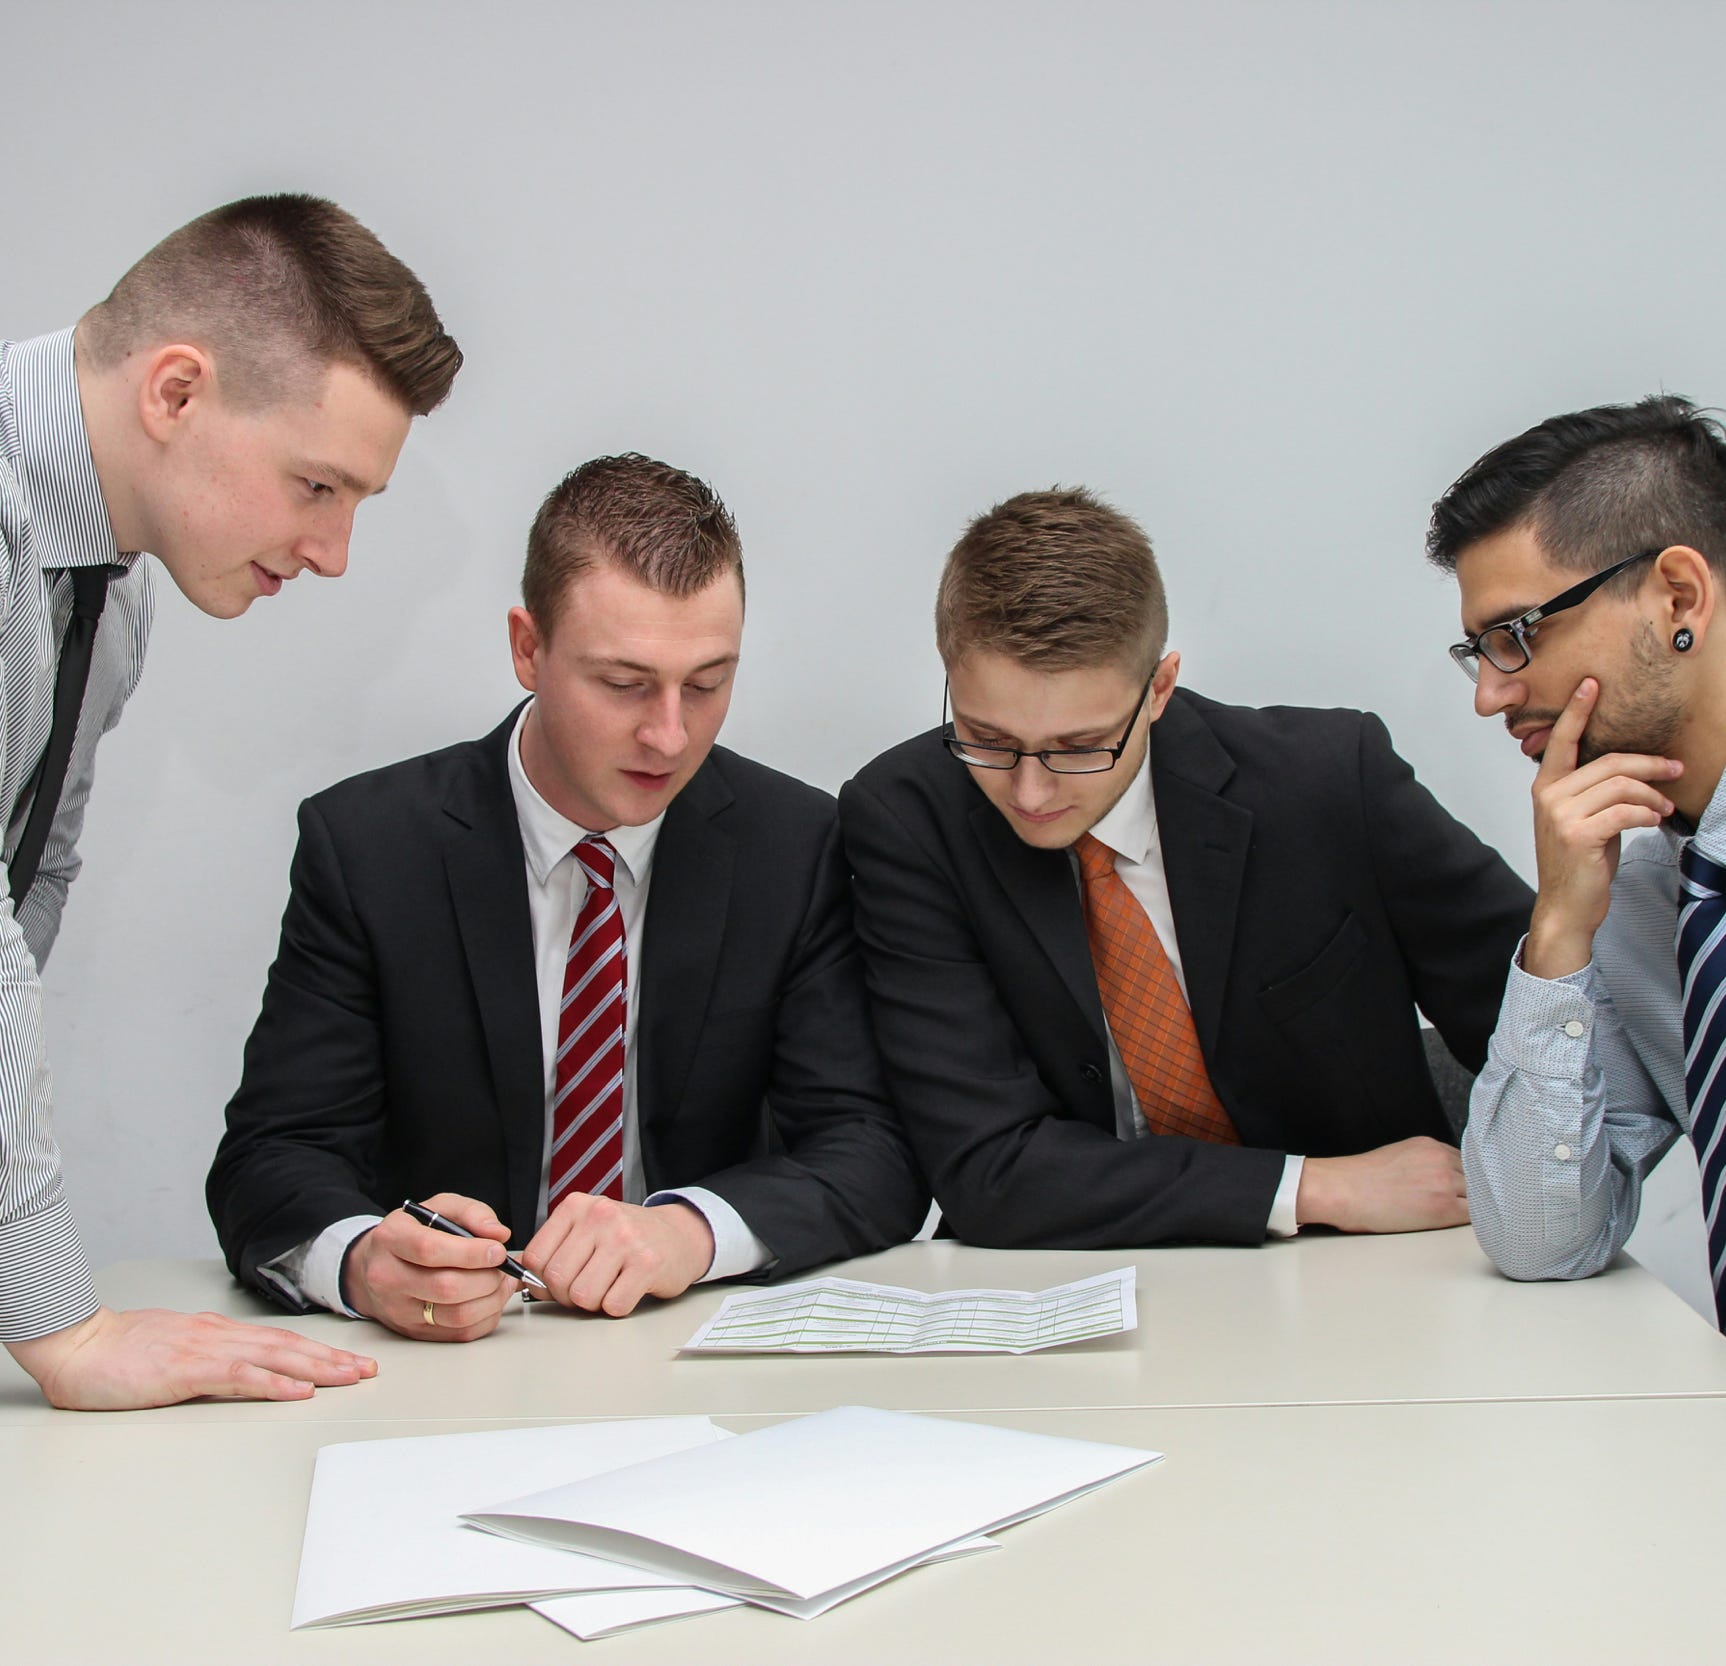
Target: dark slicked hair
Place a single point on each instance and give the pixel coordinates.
(664, 528)
(278, 289)
(1056, 580)
(1596, 486)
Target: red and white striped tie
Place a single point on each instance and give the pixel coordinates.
(587, 1102)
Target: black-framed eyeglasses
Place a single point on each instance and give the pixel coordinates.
(1506, 646)
(1079, 760)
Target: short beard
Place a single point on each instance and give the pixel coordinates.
(1646, 713)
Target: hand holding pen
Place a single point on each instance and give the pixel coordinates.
(430, 1217)
(436, 1271)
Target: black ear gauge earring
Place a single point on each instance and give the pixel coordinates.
(1683, 640)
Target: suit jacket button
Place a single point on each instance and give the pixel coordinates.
(1091, 1073)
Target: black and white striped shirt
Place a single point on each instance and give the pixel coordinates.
(51, 518)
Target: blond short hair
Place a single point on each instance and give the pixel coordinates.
(1055, 580)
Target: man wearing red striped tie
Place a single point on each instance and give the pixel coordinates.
(592, 976)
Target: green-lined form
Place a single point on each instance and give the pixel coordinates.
(841, 1316)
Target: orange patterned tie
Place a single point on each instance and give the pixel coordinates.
(1148, 1016)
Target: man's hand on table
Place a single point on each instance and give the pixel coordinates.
(604, 1256)
(1411, 1186)
(151, 1357)
(431, 1285)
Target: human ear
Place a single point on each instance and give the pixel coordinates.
(1687, 596)
(525, 643)
(177, 380)
(1163, 681)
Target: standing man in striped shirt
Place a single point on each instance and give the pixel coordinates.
(245, 386)
(1590, 553)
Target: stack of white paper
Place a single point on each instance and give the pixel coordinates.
(383, 1534)
(890, 1489)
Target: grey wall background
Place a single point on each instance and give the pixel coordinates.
(1269, 275)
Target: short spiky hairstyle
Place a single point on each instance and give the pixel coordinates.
(278, 288)
(663, 527)
(1596, 486)
(1054, 580)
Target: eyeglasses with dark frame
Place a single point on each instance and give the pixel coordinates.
(1506, 645)
(1072, 760)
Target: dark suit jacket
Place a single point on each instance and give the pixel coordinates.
(1319, 893)
(398, 1050)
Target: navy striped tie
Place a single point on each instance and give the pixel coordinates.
(1702, 976)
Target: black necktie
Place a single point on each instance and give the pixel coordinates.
(89, 595)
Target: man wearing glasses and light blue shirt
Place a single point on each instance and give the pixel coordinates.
(1613, 1033)
(1145, 967)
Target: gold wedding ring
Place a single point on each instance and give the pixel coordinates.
(430, 1313)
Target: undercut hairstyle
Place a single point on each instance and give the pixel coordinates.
(1595, 487)
(1054, 580)
(278, 289)
(662, 527)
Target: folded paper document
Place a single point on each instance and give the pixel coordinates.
(383, 1536)
(888, 1488)
(840, 1315)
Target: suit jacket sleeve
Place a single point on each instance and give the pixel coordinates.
(1456, 907)
(305, 1128)
(1011, 1167)
(839, 1179)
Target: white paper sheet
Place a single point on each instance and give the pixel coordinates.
(595, 1614)
(803, 1514)
(840, 1315)
(383, 1539)
(598, 1614)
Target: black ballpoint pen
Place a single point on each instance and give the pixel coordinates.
(438, 1223)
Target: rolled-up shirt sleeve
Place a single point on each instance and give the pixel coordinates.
(1564, 1124)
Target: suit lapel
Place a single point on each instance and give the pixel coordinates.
(486, 870)
(1042, 886)
(688, 900)
(1205, 840)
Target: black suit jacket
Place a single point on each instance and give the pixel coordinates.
(1319, 894)
(398, 1050)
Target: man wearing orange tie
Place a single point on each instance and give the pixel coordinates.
(1145, 967)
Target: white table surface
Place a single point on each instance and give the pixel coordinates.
(1579, 1531)
(1309, 1321)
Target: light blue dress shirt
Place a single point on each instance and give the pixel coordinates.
(1583, 1088)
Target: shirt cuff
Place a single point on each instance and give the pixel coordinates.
(1545, 1024)
(1282, 1223)
(312, 1271)
(736, 1250)
(45, 1282)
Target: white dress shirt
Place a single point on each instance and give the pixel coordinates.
(1130, 831)
(556, 887)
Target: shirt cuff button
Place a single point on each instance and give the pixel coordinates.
(1575, 1028)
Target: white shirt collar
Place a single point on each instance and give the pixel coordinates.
(549, 837)
(1130, 827)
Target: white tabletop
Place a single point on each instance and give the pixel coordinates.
(1583, 1531)
(1316, 1320)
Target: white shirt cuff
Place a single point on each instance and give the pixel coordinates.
(736, 1249)
(1282, 1223)
(313, 1271)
